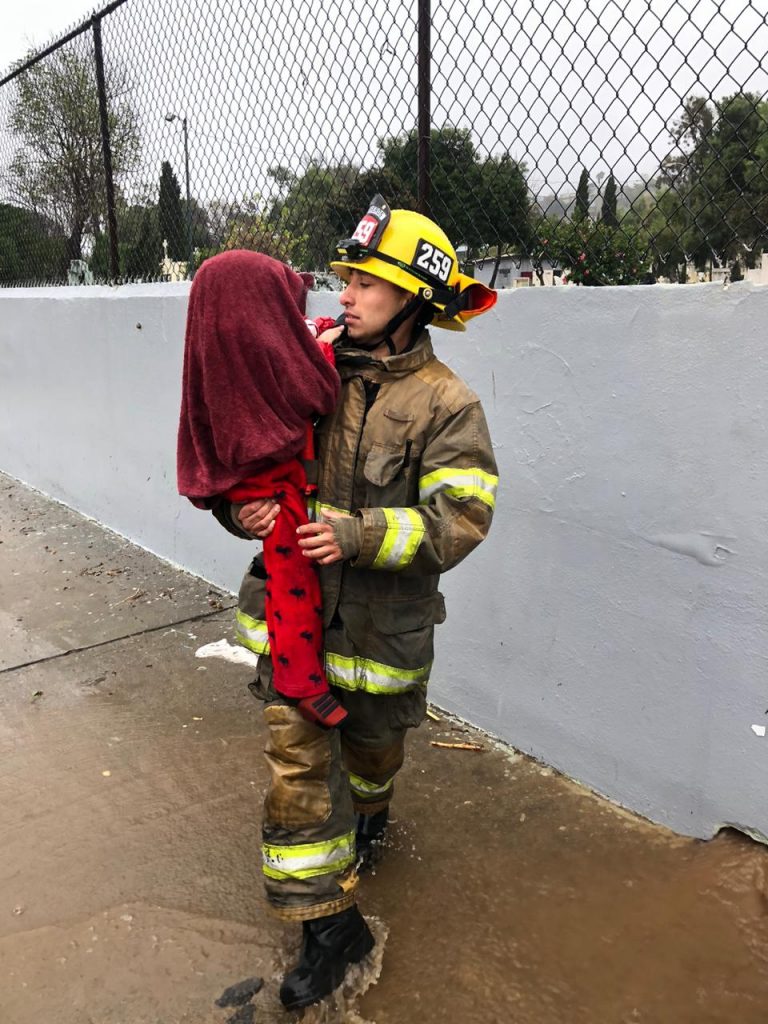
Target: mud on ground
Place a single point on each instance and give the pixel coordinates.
(131, 780)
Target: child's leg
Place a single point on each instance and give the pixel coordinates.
(294, 604)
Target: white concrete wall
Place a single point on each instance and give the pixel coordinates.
(614, 624)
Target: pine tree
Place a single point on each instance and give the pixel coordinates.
(142, 259)
(608, 214)
(170, 214)
(582, 197)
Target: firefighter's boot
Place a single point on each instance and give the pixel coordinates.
(369, 839)
(330, 945)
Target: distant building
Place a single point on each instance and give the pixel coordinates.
(515, 272)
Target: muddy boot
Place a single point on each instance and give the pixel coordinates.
(330, 945)
(369, 839)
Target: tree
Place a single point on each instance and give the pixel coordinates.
(58, 170)
(712, 199)
(479, 202)
(142, 245)
(315, 210)
(31, 249)
(608, 213)
(581, 212)
(591, 252)
(595, 253)
(198, 221)
(666, 224)
(170, 214)
(690, 135)
(249, 227)
(734, 184)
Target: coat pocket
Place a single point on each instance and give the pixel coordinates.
(404, 631)
(390, 475)
(404, 616)
(407, 710)
(382, 466)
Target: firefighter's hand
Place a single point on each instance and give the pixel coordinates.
(318, 541)
(258, 517)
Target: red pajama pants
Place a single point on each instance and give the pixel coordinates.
(293, 600)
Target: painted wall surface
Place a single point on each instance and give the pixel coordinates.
(614, 624)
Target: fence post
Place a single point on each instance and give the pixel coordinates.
(424, 98)
(114, 258)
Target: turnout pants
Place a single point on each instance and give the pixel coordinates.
(320, 780)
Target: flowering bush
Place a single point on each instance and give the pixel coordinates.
(594, 253)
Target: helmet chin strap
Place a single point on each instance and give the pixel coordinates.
(415, 303)
(412, 306)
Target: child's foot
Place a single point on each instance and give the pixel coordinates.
(323, 709)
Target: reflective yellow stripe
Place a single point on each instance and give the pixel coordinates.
(306, 860)
(364, 788)
(460, 483)
(405, 529)
(353, 673)
(317, 508)
(251, 633)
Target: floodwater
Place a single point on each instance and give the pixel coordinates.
(131, 779)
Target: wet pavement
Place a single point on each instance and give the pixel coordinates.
(131, 779)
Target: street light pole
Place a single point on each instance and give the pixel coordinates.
(170, 118)
(189, 203)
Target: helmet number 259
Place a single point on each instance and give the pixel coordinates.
(436, 262)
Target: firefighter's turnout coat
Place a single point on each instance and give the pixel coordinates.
(407, 457)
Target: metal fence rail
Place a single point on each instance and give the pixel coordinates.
(595, 141)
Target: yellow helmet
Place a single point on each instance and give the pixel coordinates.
(412, 252)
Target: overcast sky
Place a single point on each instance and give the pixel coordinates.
(558, 84)
(33, 23)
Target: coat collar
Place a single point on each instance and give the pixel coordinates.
(353, 362)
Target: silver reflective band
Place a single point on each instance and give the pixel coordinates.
(404, 533)
(307, 860)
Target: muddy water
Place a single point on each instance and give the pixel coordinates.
(508, 894)
(130, 786)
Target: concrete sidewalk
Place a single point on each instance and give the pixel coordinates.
(131, 778)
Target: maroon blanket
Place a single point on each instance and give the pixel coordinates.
(253, 373)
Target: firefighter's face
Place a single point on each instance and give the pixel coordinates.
(369, 304)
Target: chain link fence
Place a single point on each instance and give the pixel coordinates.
(593, 141)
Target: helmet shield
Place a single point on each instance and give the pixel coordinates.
(367, 235)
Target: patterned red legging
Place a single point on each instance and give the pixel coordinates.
(293, 600)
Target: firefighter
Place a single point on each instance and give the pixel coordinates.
(406, 489)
